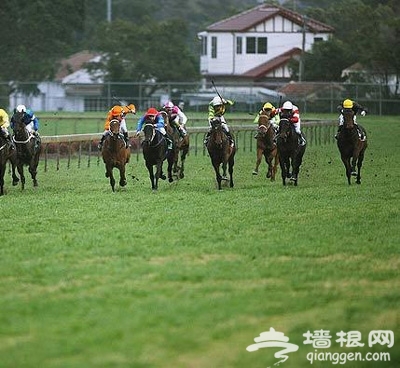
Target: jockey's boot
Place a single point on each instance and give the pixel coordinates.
(302, 141)
(126, 138)
(100, 145)
(182, 132)
(169, 142)
(360, 133)
(206, 138)
(231, 141)
(338, 131)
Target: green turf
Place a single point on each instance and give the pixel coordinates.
(189, 276)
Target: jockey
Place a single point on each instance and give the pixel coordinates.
(4, 124)
(117, 112)
(156, 118)
(273, 114)
(176, 116)
(216, 109)
(30, 120)
(291, 112)
(357, 108)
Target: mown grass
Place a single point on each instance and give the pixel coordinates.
(189, 276)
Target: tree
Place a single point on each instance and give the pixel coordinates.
(35, 34)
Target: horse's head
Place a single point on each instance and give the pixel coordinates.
(217, 132)
(19, 127)
(348, 118)
(285, 129)
(149, 132)
(114, 127)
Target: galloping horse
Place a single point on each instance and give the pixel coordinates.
(180, 146)
(155, 151)
(7, 154)
(290, 151)
(28, 148)
(221, 152)
(115, 154)
(351, 147)
(266, 146)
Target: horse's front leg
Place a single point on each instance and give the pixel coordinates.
(169, 170)
(231, 163)
(33, 172)
(109, 174)
(268, 160)
(359, 165)
(347, 166)
(224, 176)
(20, 169)
(151, 175)
(258, 161)
(122, 177)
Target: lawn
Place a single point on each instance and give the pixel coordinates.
(189, 276)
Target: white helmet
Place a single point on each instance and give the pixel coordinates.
(287, 106)
(216, 101)
(21, 108)
(169, 104)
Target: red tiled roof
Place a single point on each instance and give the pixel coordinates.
(244, 21)
(74, 63)
(305, 88)
(269, 66)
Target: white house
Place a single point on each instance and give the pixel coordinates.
(72, 85)
(256, 45)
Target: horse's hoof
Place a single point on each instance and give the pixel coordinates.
(170, 180)
(163, 177)
(268, 175)
(255, 172)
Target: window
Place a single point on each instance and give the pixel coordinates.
(318, 39)
(239, 45)
(213, 47)
(256, 45)
(203, 45)
(250, 45)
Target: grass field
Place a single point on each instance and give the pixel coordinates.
(189, 276)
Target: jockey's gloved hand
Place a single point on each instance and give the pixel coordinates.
(137, 133)
(363, 113)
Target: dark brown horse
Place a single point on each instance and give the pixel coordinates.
(290, 151)
(351, 147)
(180, 146)
(7, 154)
(28, 148)
(221, 152)
(115, 154)
(266, 146)
(155, 151)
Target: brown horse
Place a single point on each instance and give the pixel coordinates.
(290, 151)
(221, 152)
(7, 154)
(28, 147)
(115, 154)
(351, 147)
(180, 146)
(266, 146)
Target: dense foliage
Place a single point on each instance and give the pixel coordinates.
(144, 38)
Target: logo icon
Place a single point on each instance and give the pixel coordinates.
(274, 339)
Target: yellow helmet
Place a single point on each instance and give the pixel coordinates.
(268, 106)
(348, 104)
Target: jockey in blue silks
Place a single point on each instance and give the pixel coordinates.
(29, 119)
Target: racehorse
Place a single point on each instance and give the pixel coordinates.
(7, 154)
(180, 146)
(28, 148)
(351, 147)
(155, 151)
(115, 154)
(266, 146)
(221, 152)
(290, 151)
